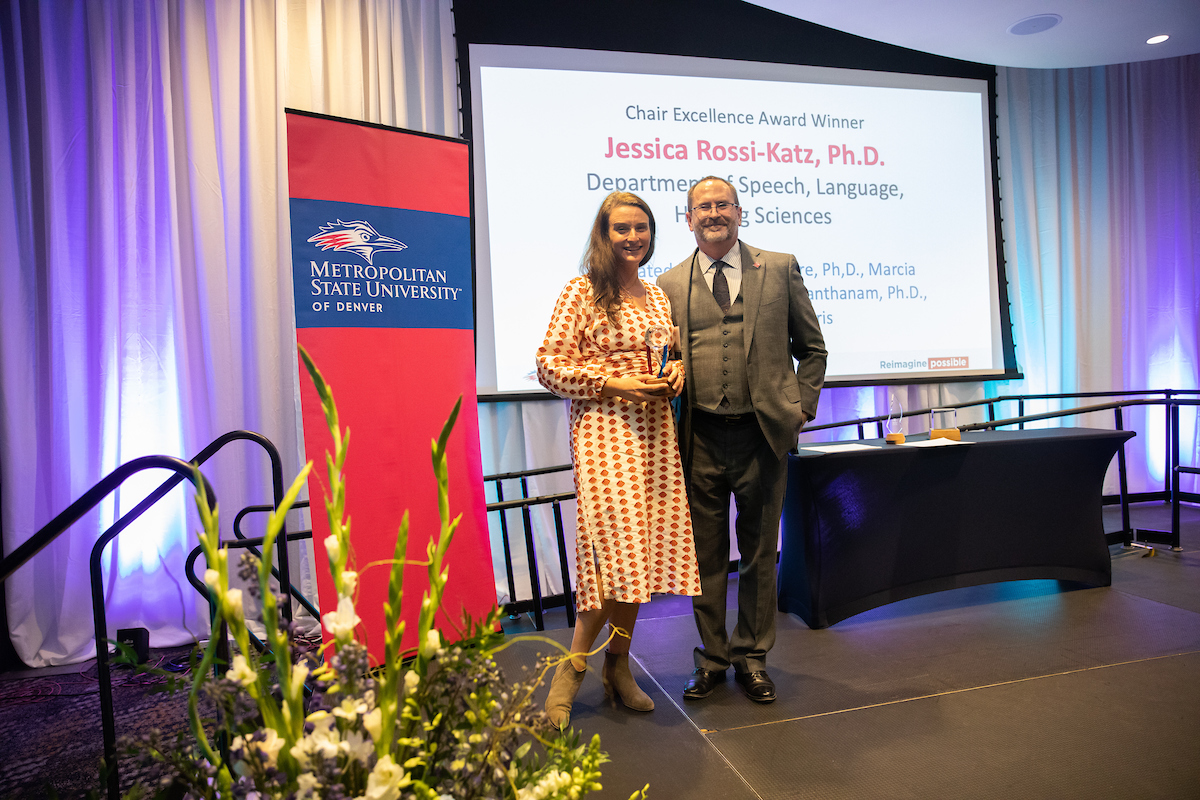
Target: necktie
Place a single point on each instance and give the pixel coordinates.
(721, 287)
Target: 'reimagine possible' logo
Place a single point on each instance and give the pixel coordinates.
(358, 237)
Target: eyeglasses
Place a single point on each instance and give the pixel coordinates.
(708, 208)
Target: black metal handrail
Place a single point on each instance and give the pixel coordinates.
(50, 531)
(55, 527)
(1176, 467)
(1128, 535)
(990, 402)
(96, 574)
(189, 567)
(513, 606)
(1065, 412)
(1168, 396)
(525, 503)
(275, 572)
(47, 533)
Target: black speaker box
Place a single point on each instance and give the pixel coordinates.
(138, 639)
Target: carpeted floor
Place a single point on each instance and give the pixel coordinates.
(50, 725)
(1029, 689)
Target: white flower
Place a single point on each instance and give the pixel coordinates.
(373, 722)
(341, 623)
(551, 783)
(241, 671)
(307, 784)
(233, 600)
(325, 738)
(322, 741)
(384, 782)
(358, 747)
(212, 578)
(433, 642)
(331, 546)
(299, 674)
(268, 749)
(349, 583)
(271, 746)
(411, 681)
(349, 709)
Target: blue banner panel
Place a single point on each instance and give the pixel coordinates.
(360, 266)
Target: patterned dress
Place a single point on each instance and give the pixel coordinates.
(633, 532)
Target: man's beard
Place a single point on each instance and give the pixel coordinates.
(714, 235)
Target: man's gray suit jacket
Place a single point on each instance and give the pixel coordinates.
(779, 323)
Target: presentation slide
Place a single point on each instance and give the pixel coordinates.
(879, 183)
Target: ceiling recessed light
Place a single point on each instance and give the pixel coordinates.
(1157, 39)
(1034, 24)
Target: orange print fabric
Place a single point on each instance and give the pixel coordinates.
(633, 534)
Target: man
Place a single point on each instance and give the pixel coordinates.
(742, 313)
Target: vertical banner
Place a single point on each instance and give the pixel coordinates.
(381, 270)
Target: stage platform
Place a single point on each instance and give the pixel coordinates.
(1028, 689)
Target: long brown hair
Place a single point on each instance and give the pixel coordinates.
(599, 263)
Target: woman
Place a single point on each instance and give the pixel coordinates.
(633, 531)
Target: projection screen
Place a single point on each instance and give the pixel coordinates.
(879, 183)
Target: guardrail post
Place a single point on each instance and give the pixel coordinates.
(1172, 455)
(1175, 541)
(508, 567)
(568, 596)
(535, 583)
(1123, 481)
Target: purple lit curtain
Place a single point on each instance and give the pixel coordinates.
(1100, 172)
(145, 291)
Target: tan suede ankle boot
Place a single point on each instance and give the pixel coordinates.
(618, 682)
(563, 688)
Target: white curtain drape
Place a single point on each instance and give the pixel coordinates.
(1100, 179)
(143, 232)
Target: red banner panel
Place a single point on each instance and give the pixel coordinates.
(381, 264)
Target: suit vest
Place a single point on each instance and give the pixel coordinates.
(718, 351)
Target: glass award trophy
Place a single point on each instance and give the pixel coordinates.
(895, 421)
(952, 433)
(658, 348)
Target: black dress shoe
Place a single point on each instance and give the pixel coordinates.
(758, 686)
(702, 683)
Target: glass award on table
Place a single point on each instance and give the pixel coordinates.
(895, 421)
(952, 433)
(658, 348)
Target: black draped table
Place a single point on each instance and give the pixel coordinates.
(863, 528)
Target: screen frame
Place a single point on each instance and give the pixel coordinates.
(764, 38)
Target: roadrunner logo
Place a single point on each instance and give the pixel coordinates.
(358, 237)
